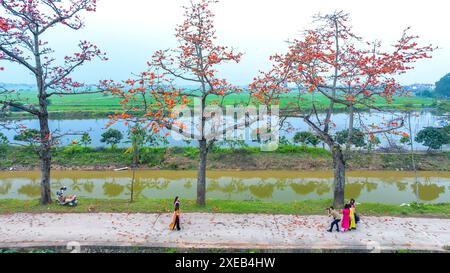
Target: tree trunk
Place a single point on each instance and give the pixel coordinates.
(413, 160)
(339, 176)
(350, 129)
(135, 154)
(46, 160)
(132, 186)
(201, 178)
(45, 149)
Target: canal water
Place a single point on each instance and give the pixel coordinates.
(278, 186)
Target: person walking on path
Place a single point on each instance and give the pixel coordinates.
(176, 220)
(336, 219)
(346, 217)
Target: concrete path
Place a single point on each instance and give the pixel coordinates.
(221, 231)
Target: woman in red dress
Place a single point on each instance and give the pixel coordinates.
(346, 218)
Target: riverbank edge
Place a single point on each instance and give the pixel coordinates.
(147, 206)
(287, 157)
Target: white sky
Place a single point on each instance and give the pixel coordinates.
(130, 31)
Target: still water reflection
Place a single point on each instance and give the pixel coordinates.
(279, 186)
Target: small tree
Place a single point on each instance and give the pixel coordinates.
(112, 137)
(443, 86)
(405, 140)
(86, 140)
(433, 138)
(306, 138)
(3, 143)
(3, 139)
(357, 138)
(447, 129)
(30, 136)
(373, 142)
(285, 141)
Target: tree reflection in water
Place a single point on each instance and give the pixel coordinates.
(428, 191)
(113, 189)
(235, 186)
(5, 187)
(319, 187)
(401, 186)
(88, 186)
(188, 184)
(230, 187)
(354, 190)
(142, 184)
(262, 190)
(76, 186)
(31, 190)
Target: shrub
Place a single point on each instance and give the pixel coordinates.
(152, 156)
(306, 138)
(433, 138)
(30, 136)
(358, 137)
(86, 140)
(112, 137)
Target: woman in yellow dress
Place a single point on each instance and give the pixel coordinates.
(352, 218)
(176, 220)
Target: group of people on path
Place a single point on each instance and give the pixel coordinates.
(349, 217)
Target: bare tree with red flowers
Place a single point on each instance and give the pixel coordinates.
(331, 62)
(23, 24)
(154, 98)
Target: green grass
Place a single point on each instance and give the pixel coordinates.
(150, 156)
(312, 207)
(99, 105)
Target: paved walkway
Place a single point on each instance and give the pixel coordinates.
(220, 231)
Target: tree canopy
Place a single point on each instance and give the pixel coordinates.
(433, 138)
(443, 86)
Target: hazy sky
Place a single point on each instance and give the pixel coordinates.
(130, 31)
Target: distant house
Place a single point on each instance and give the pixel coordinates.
(420, 87)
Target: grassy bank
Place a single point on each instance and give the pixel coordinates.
(312, 207)
(287, 157)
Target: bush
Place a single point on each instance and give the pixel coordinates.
(433, 138)
(358, 138)
(112, 137)
(152, 156)
(86, 140)
(191, 152)
(30, 136)
(306, 138)
(74, 149)
(3, 143)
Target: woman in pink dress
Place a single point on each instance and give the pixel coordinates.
(346, 218)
